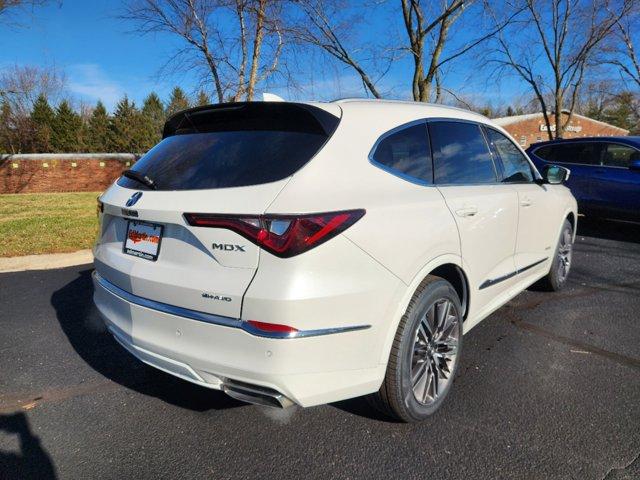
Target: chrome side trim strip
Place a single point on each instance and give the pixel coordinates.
(216, 319)
(493, 281)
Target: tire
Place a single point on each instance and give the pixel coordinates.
(427, 347)
(556, 279)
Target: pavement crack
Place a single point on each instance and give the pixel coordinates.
(615, 473)
(585, 347)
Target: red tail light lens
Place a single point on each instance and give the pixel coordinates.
(282, 235)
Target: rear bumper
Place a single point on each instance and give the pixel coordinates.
(319, 367)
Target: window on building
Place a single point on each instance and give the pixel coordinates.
(406, 153)
(515, 166)
(617, 155)
(460, 154)
(523, 141)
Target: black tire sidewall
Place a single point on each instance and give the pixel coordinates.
(434, 291)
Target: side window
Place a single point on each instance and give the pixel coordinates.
(406, 153)
(617, 155)
(587, 153)
(460, 153)
(516, 167)
(547, 153)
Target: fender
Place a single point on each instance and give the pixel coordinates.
(404, 300)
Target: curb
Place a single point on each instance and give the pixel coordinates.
(45, 262)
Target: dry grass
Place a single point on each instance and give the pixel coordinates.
(33, 223)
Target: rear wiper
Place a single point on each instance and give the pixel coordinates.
(140, 178)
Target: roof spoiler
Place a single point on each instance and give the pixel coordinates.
(251, 116)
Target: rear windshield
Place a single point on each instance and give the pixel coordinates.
(234, 146)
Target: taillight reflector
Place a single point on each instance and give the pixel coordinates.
(272, 327)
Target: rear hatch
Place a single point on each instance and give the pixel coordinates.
(229, 159)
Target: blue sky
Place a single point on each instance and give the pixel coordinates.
(103, 59)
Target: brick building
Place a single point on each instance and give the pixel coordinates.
(531, 128)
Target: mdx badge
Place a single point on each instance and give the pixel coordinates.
(228, 247)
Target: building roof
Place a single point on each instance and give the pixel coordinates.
(504, 121)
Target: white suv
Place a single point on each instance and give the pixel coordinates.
(311, 252)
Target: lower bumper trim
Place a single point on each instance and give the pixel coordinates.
(216, 319)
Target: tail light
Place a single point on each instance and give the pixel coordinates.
(281, 235)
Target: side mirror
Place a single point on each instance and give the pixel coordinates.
(554, 174)
(635, 165)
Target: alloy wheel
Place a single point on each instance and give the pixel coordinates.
(565, 251)
(435, 351)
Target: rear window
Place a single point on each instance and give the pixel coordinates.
(234, 146)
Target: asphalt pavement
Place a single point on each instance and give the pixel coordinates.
(549, 387)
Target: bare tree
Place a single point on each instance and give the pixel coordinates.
(325, 25)
(225, 37)
(624, 54)
(429, 32)
(10, 7)
(568, 33)
(21, 85)
(19, 88)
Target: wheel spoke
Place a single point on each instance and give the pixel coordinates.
(442, 314)
(420, 380)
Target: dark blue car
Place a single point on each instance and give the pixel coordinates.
(605, 173)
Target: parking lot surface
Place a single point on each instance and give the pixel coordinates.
(548, 387)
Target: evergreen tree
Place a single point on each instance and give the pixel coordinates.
(153, 120)
(66, 129)
(98, 129)
(510, 111)
(177, 102)
(42, 118)
(125, 132)
(203, 98)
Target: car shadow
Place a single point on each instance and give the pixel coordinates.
(81, 323)
(620, 231)
(360, 407)
(33, 461)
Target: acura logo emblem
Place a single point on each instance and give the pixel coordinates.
(134, 199)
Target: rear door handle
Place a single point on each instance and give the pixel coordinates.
(467, 212)
(526, 202)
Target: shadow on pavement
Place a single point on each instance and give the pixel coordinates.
(32, 462)
(88, 336)
(609, 229)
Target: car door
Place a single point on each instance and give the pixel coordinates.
(615, 187)
(538, 217)
(485, 211)
(581, 158)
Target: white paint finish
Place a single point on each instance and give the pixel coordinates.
(487, 220)
(538, 222)
(365, 276)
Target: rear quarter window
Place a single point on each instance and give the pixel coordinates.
(406, 153)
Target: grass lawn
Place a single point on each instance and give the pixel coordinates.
(32, 223)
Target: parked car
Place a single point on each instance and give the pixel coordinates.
(312, 252)
(605, 173)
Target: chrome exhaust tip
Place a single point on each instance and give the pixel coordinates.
(255, 394)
